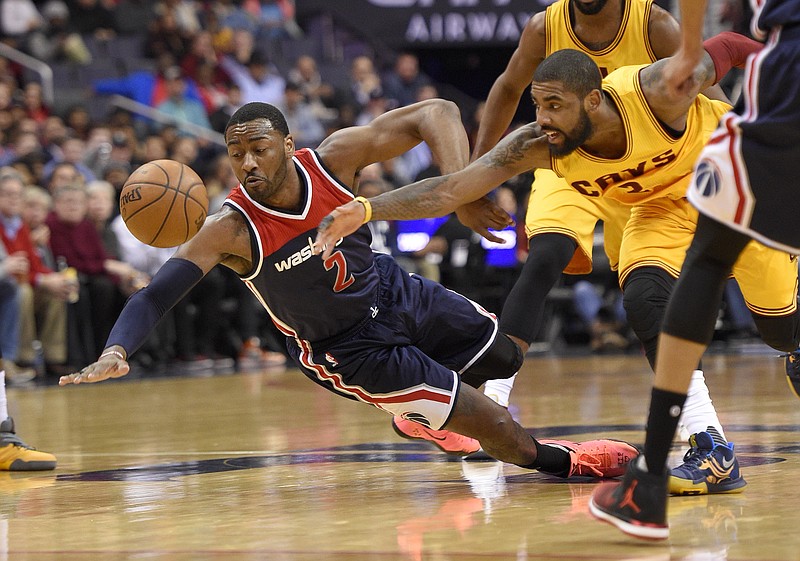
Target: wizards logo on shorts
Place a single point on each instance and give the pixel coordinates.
(707, 179)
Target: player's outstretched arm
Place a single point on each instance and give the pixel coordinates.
(520, 151)
(222, 239)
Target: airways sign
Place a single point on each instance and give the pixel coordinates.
(432, 23)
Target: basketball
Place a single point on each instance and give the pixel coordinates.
(163, 203)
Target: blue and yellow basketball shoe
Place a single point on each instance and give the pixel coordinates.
(707, 468)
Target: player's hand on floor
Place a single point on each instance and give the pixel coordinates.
(341, 222)
(109, 366)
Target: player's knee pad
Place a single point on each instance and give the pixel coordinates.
(779, 332)
(645, 297)
(502, 360)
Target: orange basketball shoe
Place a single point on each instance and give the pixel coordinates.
(596, 458)
(447, 441)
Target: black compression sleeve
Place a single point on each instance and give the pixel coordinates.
(146, 308)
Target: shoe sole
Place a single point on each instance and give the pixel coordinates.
(682, 487)
(459, 453)
(20, 465)
(636, 530)
(479, 456)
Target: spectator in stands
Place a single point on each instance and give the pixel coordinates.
(144, 86)
(384, 238)
(78, 120)
(600, 309)
(322, 96)
(63, 173)
(178, 105)
(275, 20)
(75, 239)
(219, 181)
(219, 118)
(43, 292)
(117, 173)
(101, 198)
(38, 204)
(184, 12)
(22, 144)
(18, 20)
(53, 134)
(403, 81)
(30, 166)
(213, 94)
(258, 80)
(377, 105)
(59, 40)
(92, 19)
(152, 148)
(363, 81)
(307, 129)
(202, 52)
(11, 268)
(98, 149)
(165, 38)
(72, 152)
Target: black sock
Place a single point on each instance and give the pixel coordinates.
(550, 459)
(665, 410)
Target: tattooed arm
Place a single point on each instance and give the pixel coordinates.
(520, 151)
(671, 85)
(669, 104)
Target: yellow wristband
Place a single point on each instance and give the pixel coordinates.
(367, 208)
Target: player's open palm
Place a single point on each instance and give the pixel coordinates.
(107, 366)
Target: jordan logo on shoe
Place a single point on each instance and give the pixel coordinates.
(627, 499)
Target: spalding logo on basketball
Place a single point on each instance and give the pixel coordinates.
(707, 179)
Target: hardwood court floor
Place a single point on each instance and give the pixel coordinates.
(269, 466)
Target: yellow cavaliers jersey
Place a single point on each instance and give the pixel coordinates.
(655, 163)
(630, 46)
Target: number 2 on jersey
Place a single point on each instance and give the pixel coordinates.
(343, 278)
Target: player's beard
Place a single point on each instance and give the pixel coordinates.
(591, 8)
(574, 138)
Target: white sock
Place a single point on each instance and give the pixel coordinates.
(499, 390)
(3, 402)
(698, 411)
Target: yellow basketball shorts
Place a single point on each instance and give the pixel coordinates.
(555, 207)
(659, 232)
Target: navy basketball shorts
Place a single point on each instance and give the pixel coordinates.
(406, 356)
(746, 175)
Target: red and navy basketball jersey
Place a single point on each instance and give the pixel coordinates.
(308, 298)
